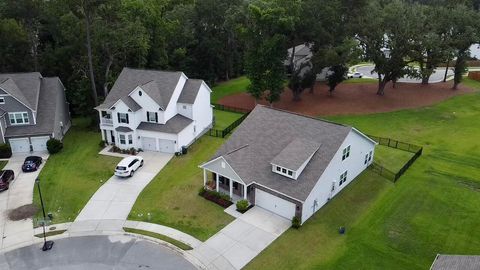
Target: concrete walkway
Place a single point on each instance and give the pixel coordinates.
(242, 240)
(20, 192)
(114, 199)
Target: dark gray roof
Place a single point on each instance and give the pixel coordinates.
(52, 106)
(23, 86)
(123, 129)
(296, 153)
(159, 85)
(265, 133)
(190, 91)
(174, 125)
(456, 262)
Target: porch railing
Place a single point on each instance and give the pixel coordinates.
(106, 121)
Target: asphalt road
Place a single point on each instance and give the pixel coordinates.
(437, 76)
(95, 253)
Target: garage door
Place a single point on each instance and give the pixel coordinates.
(149, 144)
(274, 204)
(19, 145)
(39, 143)
(166, 146)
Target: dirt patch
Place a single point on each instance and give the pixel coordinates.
(351, 99)
(23, 212)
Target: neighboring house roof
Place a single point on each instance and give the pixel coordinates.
(26, 87)
(190, 91)
(174, 125)
(123, 129)
(296, 153)
(300, 50)
(159, 85)
(50, 101)
(266, 132)
(456, 262)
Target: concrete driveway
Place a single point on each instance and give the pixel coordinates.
(96, 253)
(114, 199)
(19, 193)
(242, 240)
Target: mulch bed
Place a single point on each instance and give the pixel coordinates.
(23, 212)
(351, 99)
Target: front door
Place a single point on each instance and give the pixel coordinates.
(112, 137)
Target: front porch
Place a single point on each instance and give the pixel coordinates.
(235, 190)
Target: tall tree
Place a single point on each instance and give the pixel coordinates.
(14, 50)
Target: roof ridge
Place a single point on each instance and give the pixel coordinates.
(237, 149)
(156, 70)
(302, 115)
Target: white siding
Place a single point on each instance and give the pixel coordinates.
(120, 107)
(186, 136)
(148, 105)
(220, 166)
(202, 110)
(171, 109)
(185, 110)
(354, 164)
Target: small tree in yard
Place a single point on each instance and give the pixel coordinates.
(54, 146)
(301, 79)
(335, 76)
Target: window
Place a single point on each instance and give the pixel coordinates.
(130, 139)
(343, 178)
(366, 159)
(132, 163)
(152, 117)
(140, 93)
(346, 152)
(279, 169)
(2, 100)
(18, 118)
(370, 156)
(235, 185)
(122, 139)
(123, 118)
(184, 107)
(284, 170)
(290, 173)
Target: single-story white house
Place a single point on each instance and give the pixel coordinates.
(288, 163)
(155, 110)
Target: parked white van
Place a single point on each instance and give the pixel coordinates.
(128, 166)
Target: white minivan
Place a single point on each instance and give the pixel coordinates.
(128, 166)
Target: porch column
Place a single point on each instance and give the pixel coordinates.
(231, 188)
(244, 191)
(204, 177)
(216, 179)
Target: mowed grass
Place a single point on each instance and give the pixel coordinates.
(172, 197)
(72, 176)
(233, 86)
(433, 208)
(360, 80)
(391, 158)
(224, 119)
(2, 164)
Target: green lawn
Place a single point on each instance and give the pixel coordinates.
(433, 208)
(72, 176)
(172, 197)
(391, 158)
(162, 237)
(2, 164)
(360, 80)
(234, 86)
(224, 119)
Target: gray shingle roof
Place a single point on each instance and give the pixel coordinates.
(49, 109)
(23, 86)
(159, 85)
(123, 129)
(267, 132)
(174, 125)
(456, 262)
(296, 153)
(190, 91)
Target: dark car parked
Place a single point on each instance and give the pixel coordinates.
(6, 177)
(31, 164)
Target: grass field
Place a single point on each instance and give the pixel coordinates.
(360, 80)
(162, 237)
(391, 158)
(234, 86)
(172, 199)
(2, 164)
(433, 208)
(72, 176)
(224, 119)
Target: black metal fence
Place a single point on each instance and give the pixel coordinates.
(221, 133)
(412, 148)
(230, 108)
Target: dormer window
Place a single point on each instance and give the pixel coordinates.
(284, 171)
(293, 159)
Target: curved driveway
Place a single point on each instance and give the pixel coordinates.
(437, 75)
(95, 253)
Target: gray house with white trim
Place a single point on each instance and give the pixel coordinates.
(288, 163)
(33, 109)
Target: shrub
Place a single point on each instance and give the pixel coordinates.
(54, 146)
(5, 150)
(201, 191)
(296, 222)
(242, 205)
(115, 149)
(102, 143)
(216, 197)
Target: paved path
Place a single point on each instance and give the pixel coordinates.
(20, 192)
(114, 199)
(96, 252)
(242, 240)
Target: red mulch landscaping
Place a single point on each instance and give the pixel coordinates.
(353, 98)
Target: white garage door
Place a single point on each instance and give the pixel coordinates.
(39, 143)
(149, 144)
(274, 204)
(19, 145)
(166, 146)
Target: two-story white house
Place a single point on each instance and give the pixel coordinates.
(288, 163)
(155, 110)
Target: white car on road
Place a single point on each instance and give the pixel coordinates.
(128, 166)
(355, 75)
